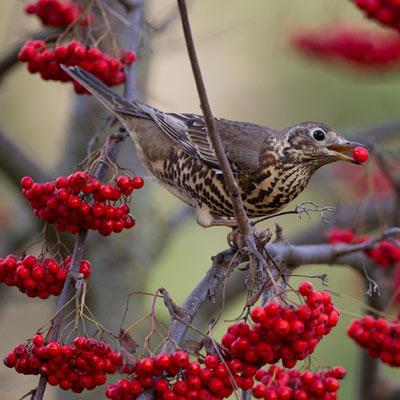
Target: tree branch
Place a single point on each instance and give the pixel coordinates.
(15, 163)
(135, 17)
(111, 150)
(233, 189)
(222, 265)
(110, 153)
(286, 256)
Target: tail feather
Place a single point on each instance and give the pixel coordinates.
(112, 101)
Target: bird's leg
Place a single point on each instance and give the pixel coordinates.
(206, 219)
(223, 222)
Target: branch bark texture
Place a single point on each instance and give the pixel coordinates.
(240, 214)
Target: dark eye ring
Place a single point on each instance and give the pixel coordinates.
(319, 134)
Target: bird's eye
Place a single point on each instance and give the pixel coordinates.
(319, 134)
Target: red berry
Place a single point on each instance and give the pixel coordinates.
(306, 288)
(211, 361)
(137, 182)
(360, 154)
(27, 182)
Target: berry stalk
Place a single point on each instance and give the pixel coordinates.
(111, 149)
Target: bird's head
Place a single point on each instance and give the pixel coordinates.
(316, 143)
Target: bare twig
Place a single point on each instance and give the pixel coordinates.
(69, 290)
(112, 148)
(389, 233)
(233, 188)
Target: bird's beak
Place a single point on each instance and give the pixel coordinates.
(339, 150)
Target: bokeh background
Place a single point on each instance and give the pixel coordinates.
(252, 74)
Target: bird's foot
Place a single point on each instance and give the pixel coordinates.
(260, 237)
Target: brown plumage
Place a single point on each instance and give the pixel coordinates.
(271, 167)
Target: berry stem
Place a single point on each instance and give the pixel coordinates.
(111, 149)
(240, 213)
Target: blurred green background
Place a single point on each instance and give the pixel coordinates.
(252, 74)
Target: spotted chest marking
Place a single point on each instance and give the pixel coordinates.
(201, 187)
(279, 188)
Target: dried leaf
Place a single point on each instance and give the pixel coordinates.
(128, 348)
(193, 347)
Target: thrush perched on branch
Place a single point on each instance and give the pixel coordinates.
(271, 167)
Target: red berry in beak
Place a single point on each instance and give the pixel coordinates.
(360, 154)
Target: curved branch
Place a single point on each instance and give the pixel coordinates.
(15, 163)
(285, 255)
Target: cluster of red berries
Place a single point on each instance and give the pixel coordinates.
(283, 332)
(47, 62)
(67, 202)
(385, 253)
(35, 277)
(360, 48)
(56, 12)
(386, 12)
(279, 384)
(82, 365)
(174, 377)
(380, 337)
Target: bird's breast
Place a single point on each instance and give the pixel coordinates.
(273, 188)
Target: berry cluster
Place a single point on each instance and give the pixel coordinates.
(380, 337)
(277, 383)
(38, 278)
(65, 202)
(174, 377)
(283, 332)
(82, 365)
(359, 48)
(56, 12)
(47, 62)
(385, 253)
(387, 12)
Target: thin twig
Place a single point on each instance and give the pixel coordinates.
(233, 188)
(69, 290)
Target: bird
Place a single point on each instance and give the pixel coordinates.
(271, 167)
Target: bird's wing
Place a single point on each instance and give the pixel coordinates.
(242, 141)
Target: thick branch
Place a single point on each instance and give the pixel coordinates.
(135, 17)
(286, 256)
(221, 267)
(369, 367)
(240, 214)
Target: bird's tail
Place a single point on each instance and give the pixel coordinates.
(112, 101)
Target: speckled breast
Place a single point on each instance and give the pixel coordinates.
(199, 185)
